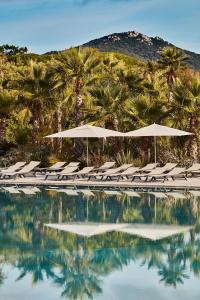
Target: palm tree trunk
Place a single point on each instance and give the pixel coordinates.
(3, 123)
(59, 124)
(193, 150)
(78, 120)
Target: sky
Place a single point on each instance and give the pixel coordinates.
(46, 25)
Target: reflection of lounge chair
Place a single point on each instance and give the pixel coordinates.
(112, 193)
(67, 170)
(86, 193)
(109, 172)
(27, 191)
(28, 169)
(195, 193)
(14, 167)
(79, 174)
(175, 195)
(69, 192)
(11, 190)
(131, 194)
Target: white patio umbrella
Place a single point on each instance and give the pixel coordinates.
(86, 131)
(155, 131)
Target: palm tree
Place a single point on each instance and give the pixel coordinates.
(76, 71)
(35, 97)
(184, 108)
(172, 61)
(7, 103)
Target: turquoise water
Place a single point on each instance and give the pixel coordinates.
(37, 262)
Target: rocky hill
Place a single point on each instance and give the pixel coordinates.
(137, 44)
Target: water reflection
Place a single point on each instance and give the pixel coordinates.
(79, 266)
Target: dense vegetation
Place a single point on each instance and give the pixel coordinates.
(43, 94)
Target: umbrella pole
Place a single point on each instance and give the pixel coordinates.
(155, 149)
(87, 153)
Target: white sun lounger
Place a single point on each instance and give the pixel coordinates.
(79, 174)
(14, 167)
(109, 172)
(67, 170)
(28, 169)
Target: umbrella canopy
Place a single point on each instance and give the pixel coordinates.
(86, 131)
(156, 130)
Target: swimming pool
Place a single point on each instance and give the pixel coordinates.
(114, 244)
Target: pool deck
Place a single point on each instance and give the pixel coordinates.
(191, 183)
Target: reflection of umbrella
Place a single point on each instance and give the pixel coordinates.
(154, 232)
(86, 229)
(86, 131)
(148, 231)
(156, 130)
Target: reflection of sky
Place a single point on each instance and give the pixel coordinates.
(127, 284)
(45, 25)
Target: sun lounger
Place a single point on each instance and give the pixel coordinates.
(149, 167)
(67, 170)
(109, 172)
(125, 174)
(14, 167)
(80, 174)
(56, 167)
(107, 165)
(194, 169)
(28, 169)
(175, 173)
(169, 166)
(157, 171)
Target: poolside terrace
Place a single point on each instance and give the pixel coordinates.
(190, 183)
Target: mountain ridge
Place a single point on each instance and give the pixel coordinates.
(140, 45)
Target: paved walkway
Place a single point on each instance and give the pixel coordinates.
(191, 183)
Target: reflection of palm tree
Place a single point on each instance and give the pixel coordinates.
(173, 274)
(37, 264)
(76, 277)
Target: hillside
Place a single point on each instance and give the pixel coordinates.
(140, 45)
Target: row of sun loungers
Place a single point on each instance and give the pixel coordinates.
(125, 172)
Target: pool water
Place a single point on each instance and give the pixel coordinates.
(44, 263)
